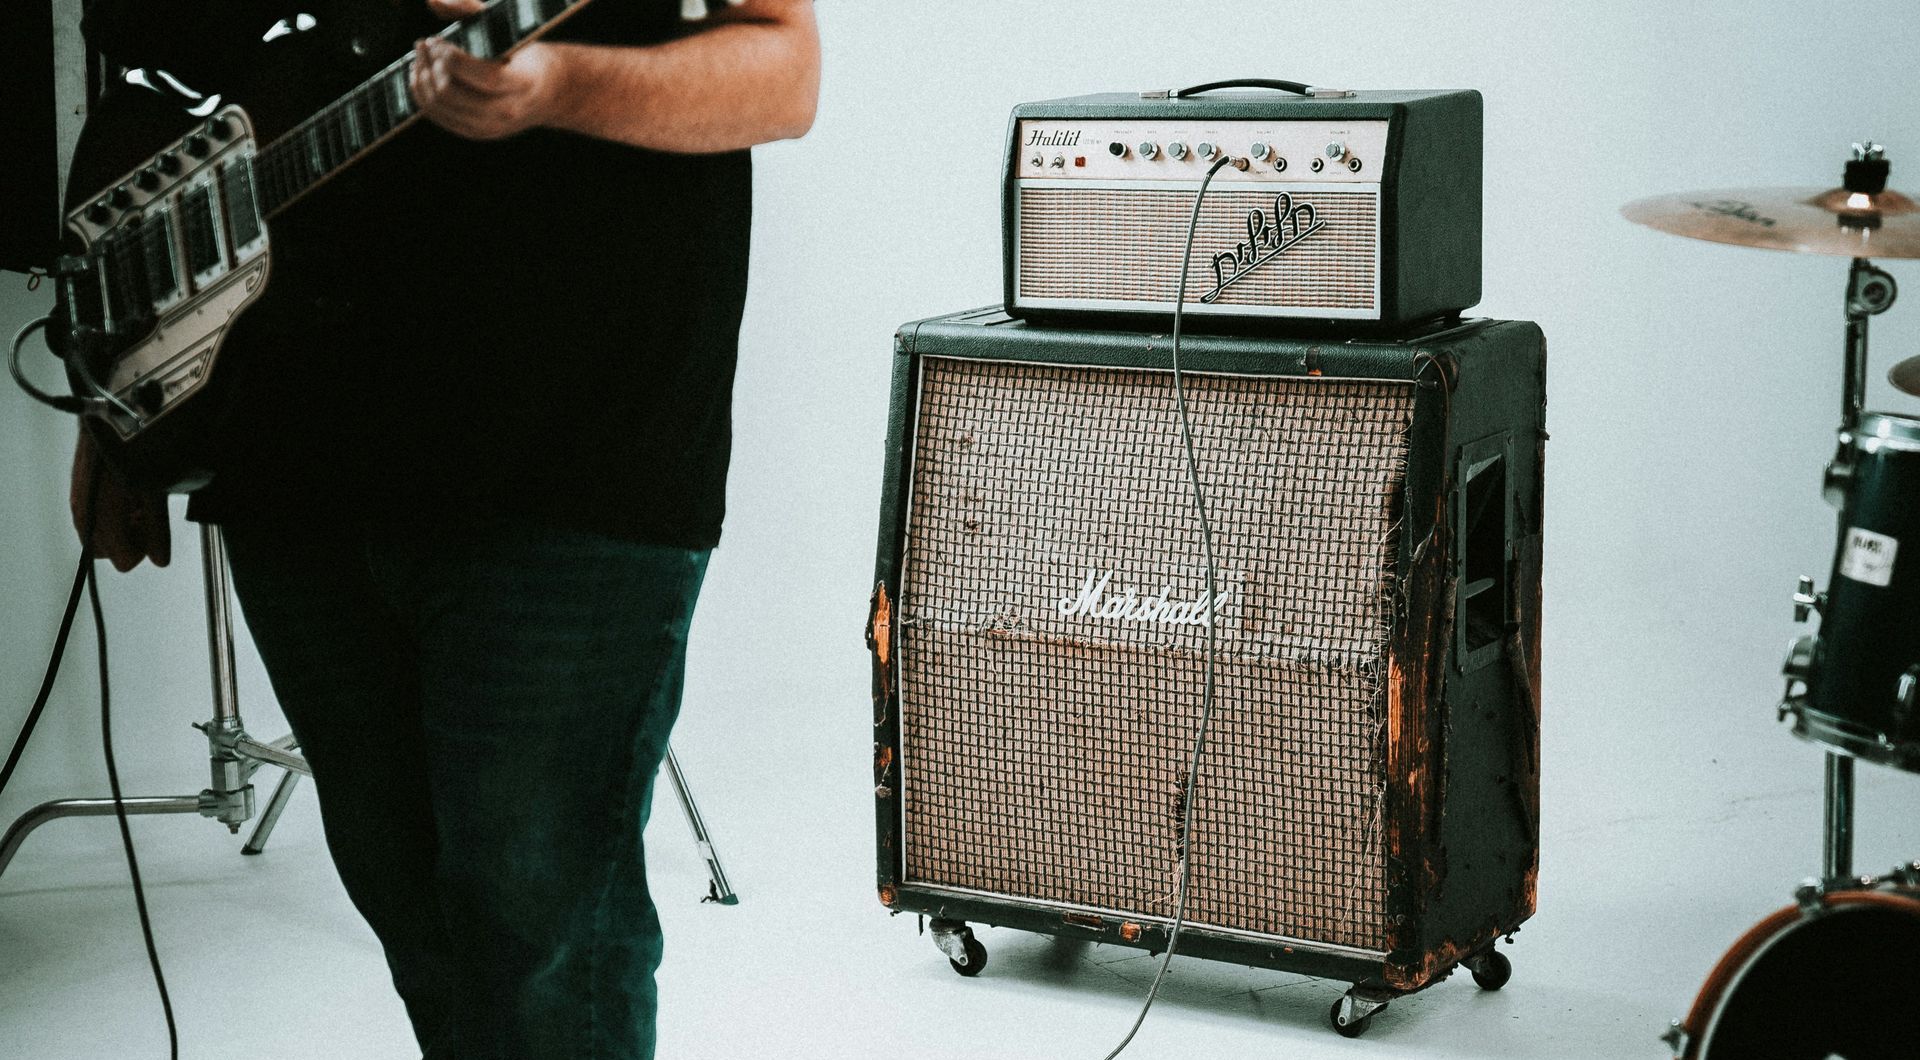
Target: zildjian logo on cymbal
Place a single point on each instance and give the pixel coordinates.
(1266, 240)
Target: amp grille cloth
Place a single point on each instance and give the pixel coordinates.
(1043, 753)
(1119, 245)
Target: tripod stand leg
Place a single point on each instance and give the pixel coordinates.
(717, 888)
(52, 811)
(1837, 861)
(282, 794)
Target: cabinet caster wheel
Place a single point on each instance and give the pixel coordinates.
(1491, 970)
(975, 960)
(1353, 1028)
(964, 952)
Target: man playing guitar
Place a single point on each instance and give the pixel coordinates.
(470, 462)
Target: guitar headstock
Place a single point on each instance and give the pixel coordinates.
(695, 10)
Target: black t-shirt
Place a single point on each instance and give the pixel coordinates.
(543, 326)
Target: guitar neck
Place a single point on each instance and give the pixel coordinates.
(350, 127)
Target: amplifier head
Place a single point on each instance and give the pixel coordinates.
(1039, 634)
(1360, 209)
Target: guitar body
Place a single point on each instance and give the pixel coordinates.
(168, 212)
(162, 211)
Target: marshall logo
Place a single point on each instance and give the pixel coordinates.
(1266, 240)
(1093, 601)
(1057, 138)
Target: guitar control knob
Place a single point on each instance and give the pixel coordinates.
(1176, 150)
(1259, 152)
(150, 396)
(198, 147)
(1149, 151)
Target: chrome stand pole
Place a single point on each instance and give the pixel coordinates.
(233, 756)
(1837, 854)
(717, 888)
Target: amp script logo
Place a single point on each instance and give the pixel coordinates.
(1266, 240)
(1093, 601)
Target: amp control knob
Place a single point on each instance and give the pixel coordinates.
(1207, 150)
(1259, 151)
(1176, 150)
(197, 146)
(1149, 150)
(99, 213)
(168, 163)
(1059, 161)
(1336, 151)
(149, 179)
(1117, 149)
(1037, 161)
(220, 128)
(121, 198)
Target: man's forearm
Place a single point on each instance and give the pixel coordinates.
(738, 84)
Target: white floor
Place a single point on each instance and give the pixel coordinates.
(1642, 890)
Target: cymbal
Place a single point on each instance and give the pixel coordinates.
(1803, 220)
(1906, 375)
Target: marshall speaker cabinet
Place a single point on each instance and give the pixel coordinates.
(1358, 208)
(1367, 808)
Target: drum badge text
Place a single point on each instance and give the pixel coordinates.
(1266, 240)
(1093, 601)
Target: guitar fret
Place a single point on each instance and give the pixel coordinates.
(290, 166)
(475, 40)
(350, 120)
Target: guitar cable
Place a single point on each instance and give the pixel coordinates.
(83, 579)
(1190, 791)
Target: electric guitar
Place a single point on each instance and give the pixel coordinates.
(167, 256)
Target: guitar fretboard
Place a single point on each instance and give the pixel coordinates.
(332, 139)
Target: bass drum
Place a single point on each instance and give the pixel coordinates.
(1836, 977)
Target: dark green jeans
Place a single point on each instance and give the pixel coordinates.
(485, 708)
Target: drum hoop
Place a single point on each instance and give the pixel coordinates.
(1852, 738)
(1887, 431)
(1704, 1018)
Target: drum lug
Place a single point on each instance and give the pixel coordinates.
(1677, 1038)
(1839, 477)
(1806, 601)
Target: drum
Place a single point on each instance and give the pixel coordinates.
(1863, 679)
(1831, 977)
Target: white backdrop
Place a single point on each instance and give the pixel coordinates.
(1693, 391)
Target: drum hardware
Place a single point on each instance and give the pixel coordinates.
(1852, 686)
(1860, 930)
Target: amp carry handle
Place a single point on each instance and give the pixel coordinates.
(1297, 87)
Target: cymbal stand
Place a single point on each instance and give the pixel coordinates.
(1870, 292)
(234, 756)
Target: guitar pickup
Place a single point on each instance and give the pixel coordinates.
(205, 235)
